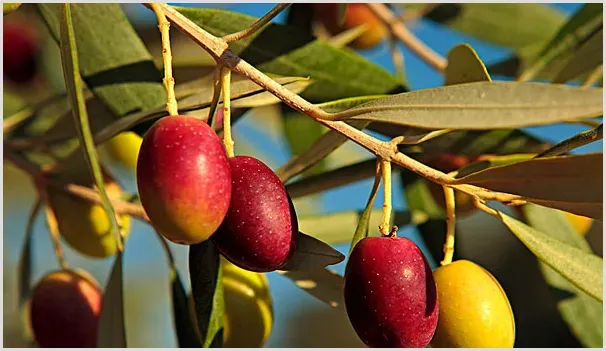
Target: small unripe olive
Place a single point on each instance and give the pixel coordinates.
(474, 311)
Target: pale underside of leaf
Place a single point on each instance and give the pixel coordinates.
(483, 105)
(584, 270)
(323, 284)
(464, 66)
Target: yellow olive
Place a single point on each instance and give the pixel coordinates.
(85, 226)
(474, 309)
(124, 148)
(248, 317)
(582, 224)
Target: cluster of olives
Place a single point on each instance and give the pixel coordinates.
(393, 299)
(193, 192)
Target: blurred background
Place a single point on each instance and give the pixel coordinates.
(299, 319)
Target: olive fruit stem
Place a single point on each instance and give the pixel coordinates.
(450, 225)
(225, 90)
(400, 31)
(53, 228)
(386, 173)
(216, 96)
(253, 28)
(169, 81)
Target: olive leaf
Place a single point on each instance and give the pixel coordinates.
(582, 312)
(323, 284)
(111, 319)
(364, 222)
(206, 276)
(583, 269)
(585, 59)
(9, 7)
(578, 179)
(578, 140)
(312, 253)
(482, 105)
(184, 326)
(464, 66)
(25, 259)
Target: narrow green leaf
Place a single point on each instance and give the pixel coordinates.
(184, 326)
(112, 333)
(483, 105)
(584, 270)
(312, 253)
(69, 60)
(287, 50)
(206, 277)
(114, 62)
(464, 66)
(577, 178)
(582, 312)
(25, 259)
(492, 162)
(585, 59)
(9, 7)
(336, 228)
(323, 284)
(364, 223)
(566, 40)
(514, 25)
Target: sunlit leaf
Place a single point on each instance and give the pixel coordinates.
(583, 269)
(563, 44)
(483, 105)
(464, 66)
(73, 85)
(582, 312)
(287, 50)
(364, 222)
(301, 132)
(577, 178)
(514, 25)
(312, 253)
(9, 7)
(206, 277)
(586, 58)
(114, 62)
(112, 333)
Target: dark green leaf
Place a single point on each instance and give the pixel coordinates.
(483, 105)
(287, 50)
(114, 62)
(312, 253)
(577, 178)
(514, 25)
(564, 43)
(582, 312)
(25, 259)
(301, 132)
(464, 66)
(364, 223)
(111, 320)
(207, 290)
(73, 85)
(184, 326)
(492, 162)
(585, 59)
(584, 270)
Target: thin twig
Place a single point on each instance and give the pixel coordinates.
(53, 228)
(169, 81)
(386, 173)
(216, 96)
(225, 91)
(574, 142)
(253, 28)
(400, 31)
(450, 225)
